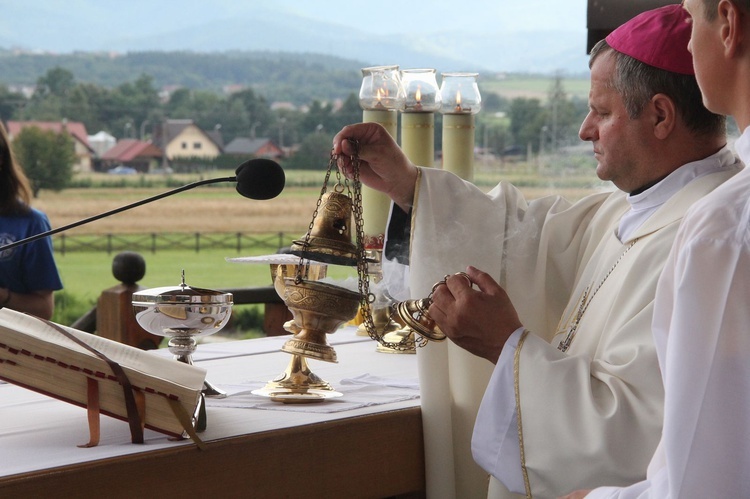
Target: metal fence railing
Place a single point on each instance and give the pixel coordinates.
(156, 241)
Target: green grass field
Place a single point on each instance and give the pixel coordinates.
(86, 274)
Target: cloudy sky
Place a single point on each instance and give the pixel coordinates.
(427, 16)
(28, 22)
(490, 35)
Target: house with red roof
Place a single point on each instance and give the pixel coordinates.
(254, 147)
(83, 151)
(141, 155)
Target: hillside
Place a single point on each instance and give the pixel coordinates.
(278, 76)
(299, 78)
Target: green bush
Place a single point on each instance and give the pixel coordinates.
(69, 307)
(247, 322)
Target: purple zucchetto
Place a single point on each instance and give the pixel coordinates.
(657, 37)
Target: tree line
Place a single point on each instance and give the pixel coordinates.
(133, 108)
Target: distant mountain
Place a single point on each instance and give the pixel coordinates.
(512, 52)
(81, 25)
(277, 76)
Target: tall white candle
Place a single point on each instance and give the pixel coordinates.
(418, 119)
(448, 413)
(418, 137)
(460, 102)
(458, 145)
(375, 204)
(380, 96)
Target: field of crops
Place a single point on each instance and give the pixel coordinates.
(215, 210)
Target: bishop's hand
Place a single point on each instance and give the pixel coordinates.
(383, 165)
(478, 320)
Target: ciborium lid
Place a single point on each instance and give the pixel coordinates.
(181, 294)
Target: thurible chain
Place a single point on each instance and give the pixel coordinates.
(363, 276)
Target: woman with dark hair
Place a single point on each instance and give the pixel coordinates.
(28, 274)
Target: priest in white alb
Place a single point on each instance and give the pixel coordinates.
(702, 316)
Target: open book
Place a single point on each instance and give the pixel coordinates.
(39, 355)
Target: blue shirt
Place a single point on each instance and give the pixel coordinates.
(30, 267)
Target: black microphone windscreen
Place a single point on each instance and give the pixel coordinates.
(260, 179)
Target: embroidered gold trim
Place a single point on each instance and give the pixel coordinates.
(517, 389)
(413, 222)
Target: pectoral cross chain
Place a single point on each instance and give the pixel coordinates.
(586, 298)
(573, 328)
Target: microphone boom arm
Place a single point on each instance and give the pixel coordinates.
(115, 211)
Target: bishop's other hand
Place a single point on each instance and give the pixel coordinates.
(474, 311)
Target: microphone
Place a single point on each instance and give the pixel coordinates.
(258, 178)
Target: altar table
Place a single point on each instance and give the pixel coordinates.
(267, 451)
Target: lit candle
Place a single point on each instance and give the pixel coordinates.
(418, 118)
(381, 96)
(461, 101)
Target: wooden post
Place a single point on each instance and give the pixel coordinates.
(275, 312)
(115, 319)
(274, 317)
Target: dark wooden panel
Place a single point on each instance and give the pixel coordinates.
(380, 455)
(603, 16)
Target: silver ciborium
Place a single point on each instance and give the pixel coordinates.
(183, 314)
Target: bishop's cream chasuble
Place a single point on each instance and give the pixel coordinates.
(590, 414)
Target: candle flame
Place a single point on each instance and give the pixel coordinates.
(458, 108)
(418, 95)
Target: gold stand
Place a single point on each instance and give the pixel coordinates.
(297, 385)
(318, 309)
(298, 377)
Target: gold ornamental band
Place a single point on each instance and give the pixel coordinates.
(388, 124)
(459, 127)
(311, 347)
(414, 127)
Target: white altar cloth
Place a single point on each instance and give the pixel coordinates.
(40, 433)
